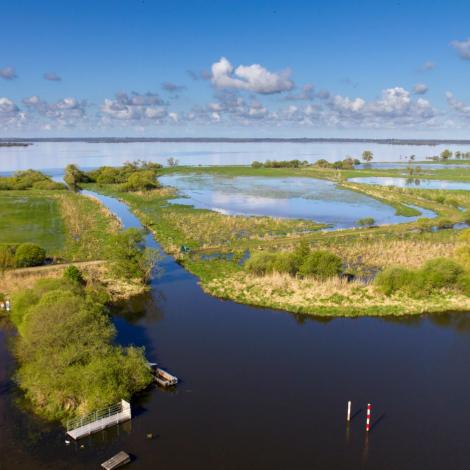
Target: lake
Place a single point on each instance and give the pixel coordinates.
(264, 389)
(306, 198)
(56, 155)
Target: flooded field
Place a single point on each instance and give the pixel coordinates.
(306, 198)
(412, 183)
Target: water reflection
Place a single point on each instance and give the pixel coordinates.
(412, 182)
(303, 198)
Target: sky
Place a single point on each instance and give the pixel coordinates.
(235, 68)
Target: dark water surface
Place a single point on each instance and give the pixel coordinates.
(263, 389)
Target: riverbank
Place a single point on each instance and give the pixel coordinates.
(216, 246)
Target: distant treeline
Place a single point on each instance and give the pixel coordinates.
(300, 140)
(15, 144)
(346, 164)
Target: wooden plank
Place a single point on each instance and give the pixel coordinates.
(121, 458)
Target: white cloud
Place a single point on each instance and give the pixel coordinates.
(134, 107)
(8, 73)
(420, 89)
(462, 48)
(458, 106)
(52, 77)
(305, 94)
(253, 78)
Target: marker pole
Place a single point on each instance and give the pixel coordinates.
(369, 409)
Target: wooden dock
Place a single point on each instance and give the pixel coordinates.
(99, 420)
(120, 459)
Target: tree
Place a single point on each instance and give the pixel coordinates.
(446, 154)
(172, 162)
(366, 222)
(29, 254)
(367, 156)
(144, 180)
(74, 176)
(131, 259)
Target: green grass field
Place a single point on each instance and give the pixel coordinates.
(70, 227)
(31, 218)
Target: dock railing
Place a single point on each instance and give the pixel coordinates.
(98, 420)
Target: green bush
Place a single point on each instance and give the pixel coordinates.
(261, 263)
(434, 275)
(29, 179)
(321, 265)
(443, 224)
(287, 263)
(29, 254)
(72, 273)
(131, 259)
(394, 279)
(141, 181)
(366, 222)
(441, 272)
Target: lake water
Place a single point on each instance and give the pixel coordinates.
(305, 198)
(263, 389)
(56, 155)
(412, 183)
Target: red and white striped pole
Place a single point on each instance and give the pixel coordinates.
(348, 415)
(369, 409)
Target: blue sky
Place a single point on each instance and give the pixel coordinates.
(337, 68)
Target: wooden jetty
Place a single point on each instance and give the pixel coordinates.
(161, 376)
(99, 420)
(120, 459)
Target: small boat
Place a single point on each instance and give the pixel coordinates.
(162, 377)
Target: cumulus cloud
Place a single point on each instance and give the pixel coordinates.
(305, 94)
(420, 89)
(10, 114)
(462, 48)
(457, 106)
(254, 78)
(8, 73)
(134, 107)
(52, 77)
(66, 112)
(172, 87)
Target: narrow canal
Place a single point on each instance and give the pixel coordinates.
(263, 389)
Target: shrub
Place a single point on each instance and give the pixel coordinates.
(131, 260)
(286, 263)
(261, 263)
(256, 164)
(29, 254)
(72, 273)
(443, 224)
(366, 222)
(441, 272)
(141, 181)
(321, 265)
(395, 279)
